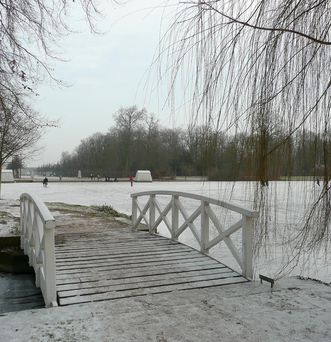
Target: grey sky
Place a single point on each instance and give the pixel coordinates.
(105, 72)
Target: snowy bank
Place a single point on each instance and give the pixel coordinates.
(296, 310)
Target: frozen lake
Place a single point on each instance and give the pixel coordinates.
(287, 204)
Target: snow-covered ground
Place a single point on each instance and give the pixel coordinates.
(295, 311)
(287, 203)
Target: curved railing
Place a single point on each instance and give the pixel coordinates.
(153, 215)
(37, 239)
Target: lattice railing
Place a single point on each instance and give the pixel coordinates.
(153, 214)
(37, 239)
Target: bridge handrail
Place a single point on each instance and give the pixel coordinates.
(37, 239)
(227, 205)
(246, 223)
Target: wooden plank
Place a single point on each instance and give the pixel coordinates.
(120, 254)
(87, 263)
(125, 234)
(151, 256)
(126, 247)
(126, 286)
(121, 263)
(108, 238)
(150, 290)
(126, 257)
(138, 271)
(111, 239)
(169, 274)
(131, 263)
(113, 251)
(154, 239)
(139, 246)
(134, 256)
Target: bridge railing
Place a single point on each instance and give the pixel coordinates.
(37, 239)
(152, 213)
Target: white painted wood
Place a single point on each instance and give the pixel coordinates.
(189, 220)
(163, 216)
(134, 211)
(142, 263)
(204, 227)
(243, 257)
(151, 213)
(233, 207)
(175, 217)
(247, 246)
(142, 214)
(224, 236)
(49, 253)
(22, 224)
(37, 238)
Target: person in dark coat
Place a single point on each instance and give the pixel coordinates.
(45, 182)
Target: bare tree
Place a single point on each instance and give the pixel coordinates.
(127, 121)
(264, 67)
(29, 30)
(16, 165)
(18, 132)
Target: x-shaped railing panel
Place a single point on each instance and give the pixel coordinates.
(200, 233)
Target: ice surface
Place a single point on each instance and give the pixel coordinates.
(287, 203)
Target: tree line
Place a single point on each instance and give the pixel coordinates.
(137, 141)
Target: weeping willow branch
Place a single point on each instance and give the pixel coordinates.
(262, 67)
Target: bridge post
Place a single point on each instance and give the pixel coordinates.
(22, 223)
(50, 276)
(134, 211)
(204, 227)
(151, 213)
(247, 246)
(174, 217)
(35, 243)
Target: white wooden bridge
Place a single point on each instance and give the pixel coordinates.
(82, 267)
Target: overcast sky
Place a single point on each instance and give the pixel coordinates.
(105, 72)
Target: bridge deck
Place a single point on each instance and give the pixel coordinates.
(119, 263)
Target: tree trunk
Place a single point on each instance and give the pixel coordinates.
(0, 180)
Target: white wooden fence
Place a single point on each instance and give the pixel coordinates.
(37, 239)
(153, 215)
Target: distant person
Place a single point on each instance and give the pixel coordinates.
(45, 182)
(131, 180)
(115, 179)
